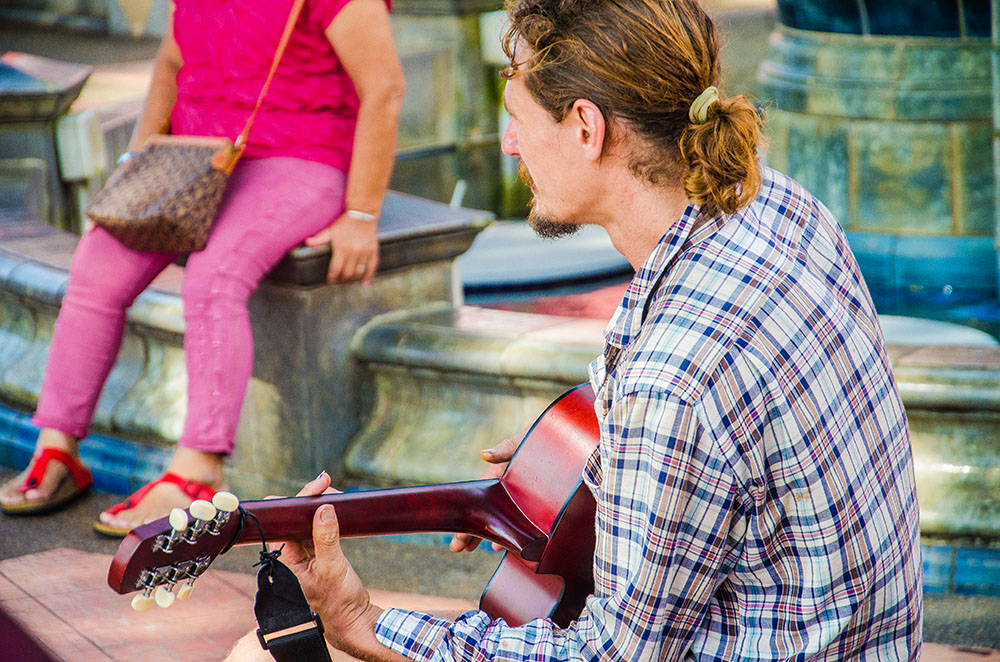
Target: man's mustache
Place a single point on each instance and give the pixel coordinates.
(522, 172)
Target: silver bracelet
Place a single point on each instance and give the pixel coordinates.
(361, 215)
(125, 158)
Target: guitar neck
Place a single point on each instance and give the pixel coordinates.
(480, 507)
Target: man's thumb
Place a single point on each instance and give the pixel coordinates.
(326, 529)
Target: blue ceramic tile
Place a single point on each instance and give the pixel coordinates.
(965, 267)
(149, 464)
(977, 571)
(875, 253)
(118, 466)
(938, 565)
(111, 461)
(6, 432)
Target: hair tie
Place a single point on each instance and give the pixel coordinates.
(698, 113)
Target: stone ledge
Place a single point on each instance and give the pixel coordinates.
(306, 398)
(411, 231)
(451, 381)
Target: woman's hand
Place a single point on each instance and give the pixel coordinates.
(354, 243)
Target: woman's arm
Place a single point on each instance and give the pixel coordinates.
(362, 37)
(162, 89)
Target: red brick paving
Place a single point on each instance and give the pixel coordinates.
(62, 599)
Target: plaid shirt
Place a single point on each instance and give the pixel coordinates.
(754, 479)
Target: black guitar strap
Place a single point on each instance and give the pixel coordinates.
(287, 627)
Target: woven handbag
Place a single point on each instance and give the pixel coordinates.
(164, 198)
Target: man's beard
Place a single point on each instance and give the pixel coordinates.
(545, 226)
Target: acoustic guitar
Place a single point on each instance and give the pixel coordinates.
(539, 511)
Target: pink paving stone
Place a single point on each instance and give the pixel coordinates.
(103, 628)
(74, 646)
(9, 590)
(61, 598)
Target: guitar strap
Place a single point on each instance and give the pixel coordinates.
(287, 627)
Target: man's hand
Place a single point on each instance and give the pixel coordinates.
(328, 581)
(498, 457)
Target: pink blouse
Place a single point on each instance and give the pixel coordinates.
(311, 108)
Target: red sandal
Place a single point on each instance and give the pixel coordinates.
(192, 488)
(72, 486)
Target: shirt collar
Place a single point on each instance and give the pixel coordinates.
(625, 323)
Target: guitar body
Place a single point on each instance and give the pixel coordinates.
(539, 510)
(545, 478)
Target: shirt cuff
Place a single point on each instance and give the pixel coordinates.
(411, 634)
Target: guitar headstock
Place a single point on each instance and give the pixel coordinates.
(174, 551)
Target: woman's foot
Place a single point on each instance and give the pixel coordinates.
(54, 476)
(200, 475)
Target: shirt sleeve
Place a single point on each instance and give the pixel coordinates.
(664, 518)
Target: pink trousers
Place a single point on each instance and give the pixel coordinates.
(271, 206)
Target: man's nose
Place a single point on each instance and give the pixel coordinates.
(509, 142)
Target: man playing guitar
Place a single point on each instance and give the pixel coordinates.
(754, 481)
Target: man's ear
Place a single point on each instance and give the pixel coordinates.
(590, 128)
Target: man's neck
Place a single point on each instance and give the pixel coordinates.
(638, 217)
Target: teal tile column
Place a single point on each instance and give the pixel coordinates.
(893, 134)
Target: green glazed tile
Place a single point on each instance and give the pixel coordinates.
(903, 179)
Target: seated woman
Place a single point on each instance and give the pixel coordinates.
(315, 169)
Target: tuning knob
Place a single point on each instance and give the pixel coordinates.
(163, 597)
(226, 502)
(202, 510)
(178, 519)
(178, 523)
(143, 601)
(184, 592)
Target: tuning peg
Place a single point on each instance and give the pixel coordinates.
(184, 592)
(202, 510)
(178, 524)
(163, 597)
(143, 601)
(178, 519)
(226, 503)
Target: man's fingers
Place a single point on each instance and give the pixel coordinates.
(463, 542)
(326, 531)
(317, 485)
(503, 451)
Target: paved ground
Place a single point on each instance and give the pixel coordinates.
(53, 580)
(963, 627)
(384, 563)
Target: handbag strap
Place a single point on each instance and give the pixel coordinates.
(293, 17)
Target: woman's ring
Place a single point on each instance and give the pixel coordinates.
(360, 268)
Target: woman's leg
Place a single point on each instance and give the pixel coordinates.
(105, 278)
(271, 206)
